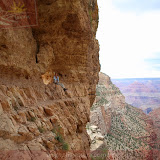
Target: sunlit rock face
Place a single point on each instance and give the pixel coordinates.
(38, 119)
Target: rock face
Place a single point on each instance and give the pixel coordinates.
(128, 133)
(96, 137)
(37, 118)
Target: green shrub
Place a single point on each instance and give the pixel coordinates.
(59, 138)
(33, 119)
(41, 129)
(65, 146)
(56, 130)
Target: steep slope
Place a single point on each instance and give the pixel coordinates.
(155, 116)
(128, 132)
(38, 121)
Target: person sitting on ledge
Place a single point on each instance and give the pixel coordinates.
(56, 81)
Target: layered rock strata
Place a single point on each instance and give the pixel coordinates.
(128, 133)
(38, 119)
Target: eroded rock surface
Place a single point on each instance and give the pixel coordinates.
(39, 121)
(96, 137)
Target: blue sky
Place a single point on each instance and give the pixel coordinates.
(154, 62)
(129, 37)
(137, 5)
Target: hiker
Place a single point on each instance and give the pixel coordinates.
(56, 81)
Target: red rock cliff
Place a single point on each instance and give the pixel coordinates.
(37, 120)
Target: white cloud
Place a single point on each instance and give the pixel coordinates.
(126, 39)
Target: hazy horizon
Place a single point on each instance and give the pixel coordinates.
(137, 78)
(129, 38)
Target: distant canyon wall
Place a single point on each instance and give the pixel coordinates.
(142, 93)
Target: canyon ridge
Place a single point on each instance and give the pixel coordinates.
(120, 131)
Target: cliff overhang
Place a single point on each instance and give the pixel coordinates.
(38, 118)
